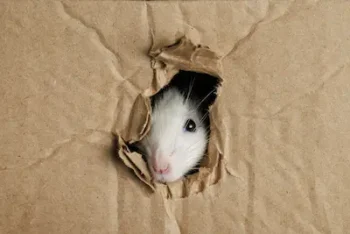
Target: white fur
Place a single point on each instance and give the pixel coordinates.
(168, 142)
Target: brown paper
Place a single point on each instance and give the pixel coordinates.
(76, 75)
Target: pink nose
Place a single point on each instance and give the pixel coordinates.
(162, 169)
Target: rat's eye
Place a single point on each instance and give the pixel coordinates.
(190, 125)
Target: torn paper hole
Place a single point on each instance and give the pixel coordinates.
(176, 140)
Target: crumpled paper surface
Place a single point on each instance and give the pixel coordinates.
(73, 73)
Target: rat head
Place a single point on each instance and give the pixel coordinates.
(177, 138)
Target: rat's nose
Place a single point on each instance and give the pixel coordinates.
(161, 169)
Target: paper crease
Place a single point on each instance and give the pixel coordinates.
(252, 30)
(317, 87)
(101, 41)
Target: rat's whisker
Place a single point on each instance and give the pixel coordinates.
(198, 105)
(197, 142)
(190, 90)
(204, 117)
(193, 146)
(190, 159)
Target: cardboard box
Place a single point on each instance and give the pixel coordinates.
(75, 77)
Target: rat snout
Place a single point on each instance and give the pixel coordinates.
(161, 169)
(160, 166)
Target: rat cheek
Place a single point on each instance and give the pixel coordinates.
(175, 177)
(175, 169)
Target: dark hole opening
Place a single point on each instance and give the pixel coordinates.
(201, 87)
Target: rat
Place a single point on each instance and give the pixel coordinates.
(179, 130)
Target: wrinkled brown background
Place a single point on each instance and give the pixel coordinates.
(71, 72)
